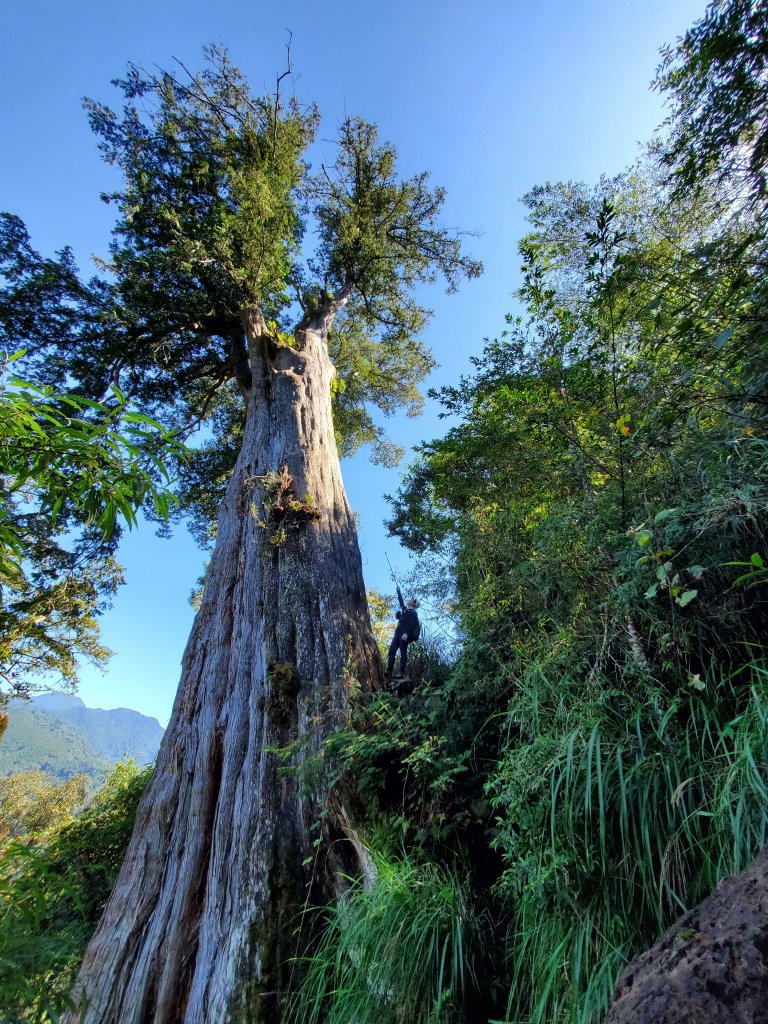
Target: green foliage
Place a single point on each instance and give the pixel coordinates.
(209, 214)
(599, 476)
(385, 374)
(68, 468)
(604, 500)
(381, 233)
(35, 801)
(621, 810)
(404, 949)
(53, 888)
(379, 608)
(400, 759)
(418, 761)
(76, 457)
(716, 80)
(213, 208)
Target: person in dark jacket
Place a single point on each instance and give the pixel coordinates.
(407, 630)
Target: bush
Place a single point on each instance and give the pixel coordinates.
(53, 888)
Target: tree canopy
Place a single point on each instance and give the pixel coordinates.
(72, 470)
(714, 78)
(591, 758)
(217, 205)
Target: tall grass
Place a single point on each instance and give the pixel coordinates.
(401, 952)
(637, 812)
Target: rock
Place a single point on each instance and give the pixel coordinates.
(711, 967)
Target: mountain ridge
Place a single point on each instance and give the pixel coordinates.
(56, 732)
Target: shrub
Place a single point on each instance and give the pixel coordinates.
(53, 888)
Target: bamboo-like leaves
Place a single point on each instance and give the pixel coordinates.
(399, 952)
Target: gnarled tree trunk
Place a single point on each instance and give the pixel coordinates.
(202, 922)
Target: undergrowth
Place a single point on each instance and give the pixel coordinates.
(616, 817)
(406, 949)
(53, 888)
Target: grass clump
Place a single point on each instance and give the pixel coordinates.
(617, 816)
(401, 951)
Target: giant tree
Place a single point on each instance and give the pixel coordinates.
(210, 314)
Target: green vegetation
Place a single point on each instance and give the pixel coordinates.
(59, 735)
(69, 467)
(597, 758)
(53, 887)
(36, 740)
(399, 951)
(620, 813)
(593, 757)
(215, 201)
(34, 801)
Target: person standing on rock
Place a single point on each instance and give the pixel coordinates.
(406, 631)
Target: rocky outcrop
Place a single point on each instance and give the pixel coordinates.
(711, 967)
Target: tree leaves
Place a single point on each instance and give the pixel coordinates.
(214, 209)
(723, 337)
(715, 79)
(604, 428)
(70, 469)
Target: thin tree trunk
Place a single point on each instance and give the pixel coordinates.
(201, 925)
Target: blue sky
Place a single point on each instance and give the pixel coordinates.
(492, 98)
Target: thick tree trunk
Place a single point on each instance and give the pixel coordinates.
(202, 923)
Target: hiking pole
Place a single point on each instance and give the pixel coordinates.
(394, 581)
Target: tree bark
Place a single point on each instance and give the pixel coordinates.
(202, 923)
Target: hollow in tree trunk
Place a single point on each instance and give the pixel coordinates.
(201, 926)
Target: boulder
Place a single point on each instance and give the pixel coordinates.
(711, 967)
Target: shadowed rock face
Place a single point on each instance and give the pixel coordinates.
(711, 967)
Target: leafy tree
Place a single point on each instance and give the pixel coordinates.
(69, 467)
(635, 373)
(35, 802)
(211, 314)
(54, 886)
(216, 201)
(381, 619)
(715, 78)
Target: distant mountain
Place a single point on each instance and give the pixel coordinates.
(112, 734)
(57, 733)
